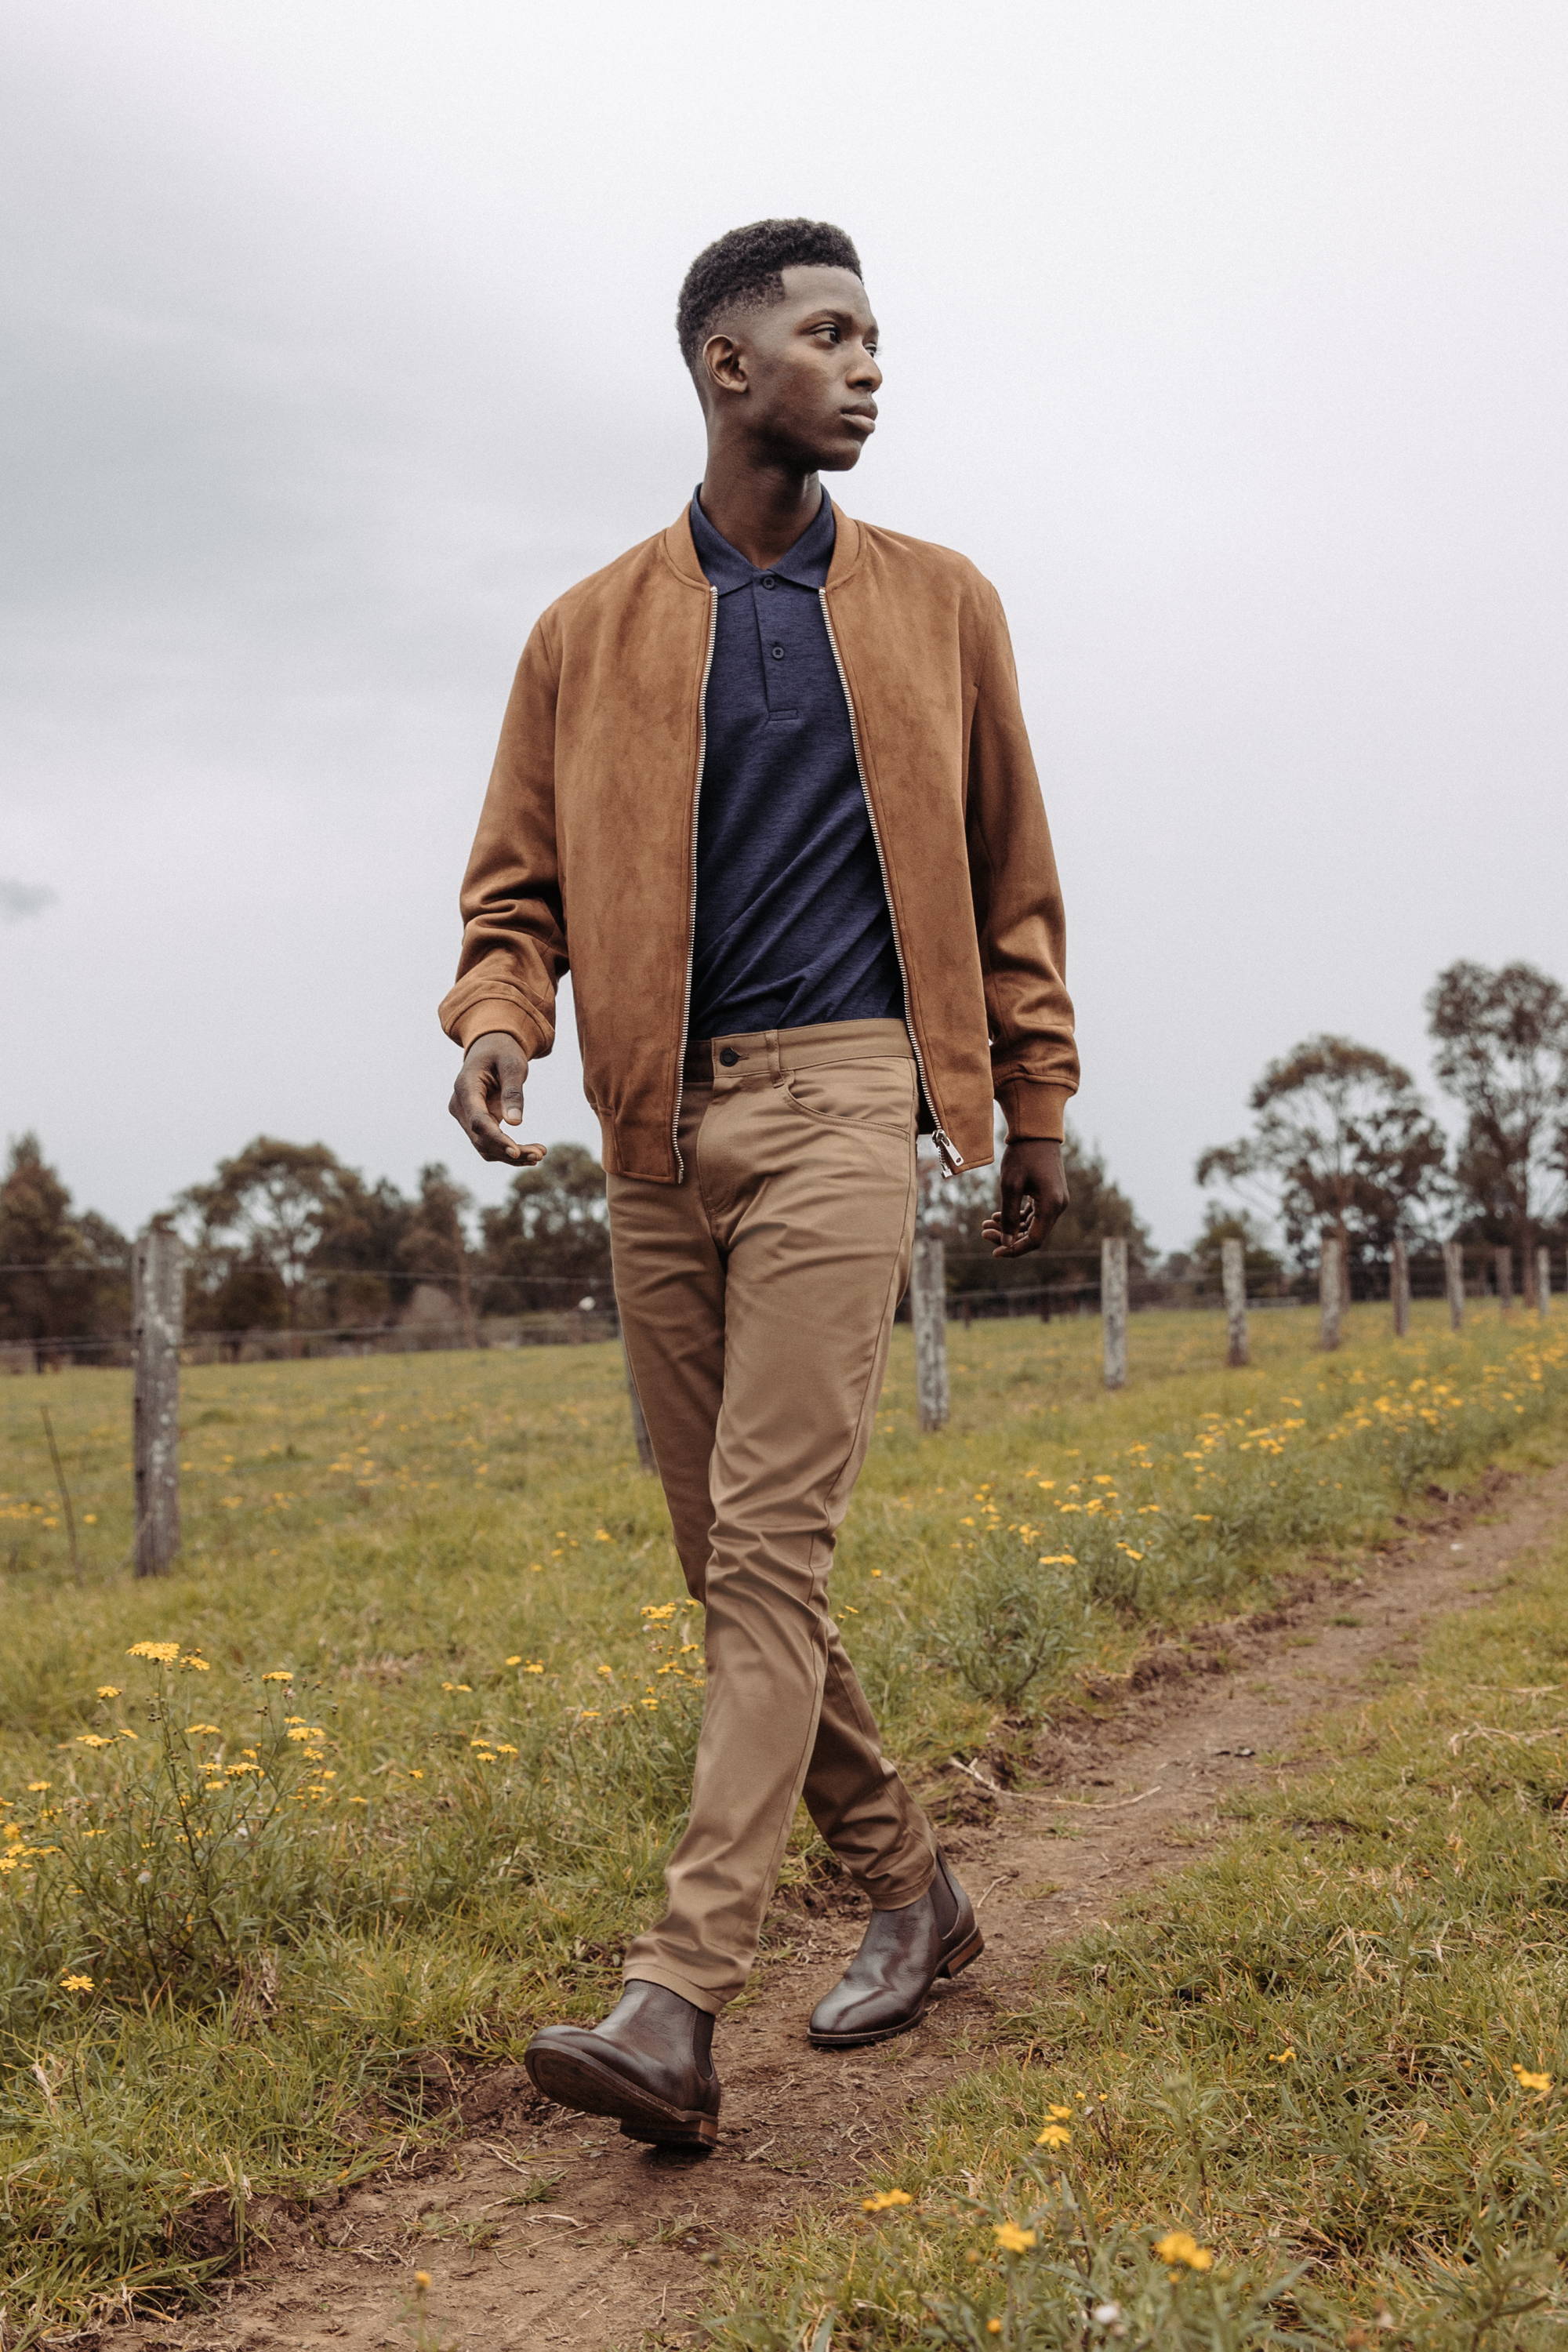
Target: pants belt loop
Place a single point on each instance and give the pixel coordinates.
(775, 1059)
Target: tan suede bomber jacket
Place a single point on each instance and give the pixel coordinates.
(585, 853)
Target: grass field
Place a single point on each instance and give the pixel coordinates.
(408, 1731)
(1316, 2092)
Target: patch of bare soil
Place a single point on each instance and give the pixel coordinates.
(539, 2227)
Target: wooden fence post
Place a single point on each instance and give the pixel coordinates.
(928, 1313)
(157, 1325)
(1399, 1286)
(1233, 1278)
(1330, 1290)
(1502, 1262)
(1453, 1277)
(1543, 1279)
(639, 1424)
(1113, 1308)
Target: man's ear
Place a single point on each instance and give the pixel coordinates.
(725, 363)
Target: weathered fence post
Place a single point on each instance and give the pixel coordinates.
(1330, 1290)
(1399, 1286)
(639, 1424)
(1453, 1277)
(1233, 1279)
(157, 1325)
(928, 1313)
(1113, 1308)
(1502, 1261)
(1543, 1279)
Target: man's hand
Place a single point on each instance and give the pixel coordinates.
(1033, 1195)
(490, 1087)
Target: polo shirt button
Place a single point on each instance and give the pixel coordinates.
(767, 581)
(778, 653)
(729, 1057)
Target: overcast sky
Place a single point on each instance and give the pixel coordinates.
(1228, 340)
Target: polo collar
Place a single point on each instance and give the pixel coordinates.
(681, 550)
(805, 564)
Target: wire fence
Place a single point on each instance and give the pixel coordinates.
(436, 1316)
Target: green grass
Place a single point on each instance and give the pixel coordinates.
(1335, 2056)
(441, 1826)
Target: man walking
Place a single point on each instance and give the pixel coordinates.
(764, 786)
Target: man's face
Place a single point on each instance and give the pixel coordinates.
(801, 376)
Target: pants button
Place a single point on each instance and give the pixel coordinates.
(729, 1057)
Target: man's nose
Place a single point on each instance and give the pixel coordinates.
(865, 373)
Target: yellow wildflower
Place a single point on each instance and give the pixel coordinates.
(1059, 1559)
(534, 1667)
(164, 1653)
(1011, 2239)
(1529, 2082)
(109, 1690)
(278, 1674)
(1061, 2114)
(885, 2199)
(1181, 2246)
(994, 2328)
(91, 1739)
(1280, 2057)
(422, 2281)
(76, 1984)
(197, 1666)
(1053, 2135)
(517, 1661)
(209, 1728)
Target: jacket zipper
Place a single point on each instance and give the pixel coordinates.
(692, 909)
(951, 1158)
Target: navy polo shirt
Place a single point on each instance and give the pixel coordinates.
(792, 925)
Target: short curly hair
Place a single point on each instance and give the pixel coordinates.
(744, 269)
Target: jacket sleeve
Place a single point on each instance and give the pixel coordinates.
(514, 940)
(1018, 905)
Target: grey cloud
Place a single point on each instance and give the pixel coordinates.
(20, 899)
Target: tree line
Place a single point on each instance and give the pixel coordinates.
(1341, 1140)
(285, 1237)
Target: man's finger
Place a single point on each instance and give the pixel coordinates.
(470, 1109)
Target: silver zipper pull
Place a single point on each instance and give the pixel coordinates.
(951, 1158)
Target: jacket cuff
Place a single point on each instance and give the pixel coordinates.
(1033, 1109)
(501, 1012)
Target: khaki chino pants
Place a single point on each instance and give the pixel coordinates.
(757, 1297)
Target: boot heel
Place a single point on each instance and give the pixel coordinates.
(964, 1954)
(695, 2133)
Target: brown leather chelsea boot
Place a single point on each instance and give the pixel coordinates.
(649, 2063)
(887, 1986)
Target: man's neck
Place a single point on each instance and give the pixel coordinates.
(762, 511)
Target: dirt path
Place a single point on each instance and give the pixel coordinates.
(609, 2244)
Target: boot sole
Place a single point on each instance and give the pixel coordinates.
(955, 1962)
(572, 2079)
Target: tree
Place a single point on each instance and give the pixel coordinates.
(548, 1243)
(1501, 1042)
(1265, 1272)
(63, 1278)
(267, 1210)
(1341, 1140)
(435, 1244)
